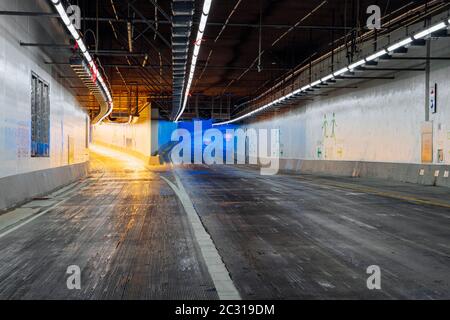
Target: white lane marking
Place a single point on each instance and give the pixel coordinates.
(66, 195)
(39, 204)
(326, 285)
(28, 221)
(222, 281)
(16, 216)
(359, 223)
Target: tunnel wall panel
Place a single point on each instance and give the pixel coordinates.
(23, 187)
(375, 128)
(403, 172)
(68, 122)
(135, 137)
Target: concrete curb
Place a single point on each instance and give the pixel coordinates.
(424, 174)
(20, 188)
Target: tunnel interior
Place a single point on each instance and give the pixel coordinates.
(238, 150)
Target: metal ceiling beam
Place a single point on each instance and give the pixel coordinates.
(149, 24)
(127, 66)
(29, 14)
(166, 66)
(183, 15)
(235, 25)
(365, 78)
(51, 45)
(119, 53)
(391, 69)
(419, 58)
(152, 82)
(168, 18)
(339, 87)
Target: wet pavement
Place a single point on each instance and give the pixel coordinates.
(280, 237)
(305, 237)
(126, 231)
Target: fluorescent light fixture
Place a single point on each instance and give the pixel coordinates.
(206, 7)
(329, 77)
(357, 64)
(306, 87)
(340, 72)
(62, 13)
(376, 55)
(88, 57)
(400, 44)
(81, 46)
(130, 36)
(426, 32)
(198, 43)
(196, 50)
(202, 25)
(73, 31)
(94, 69)
(289, 95)
(144, 63)
(111, 107)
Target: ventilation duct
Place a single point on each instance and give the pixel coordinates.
(84, 73)
(183, 13)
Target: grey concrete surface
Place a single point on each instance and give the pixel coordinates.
(437, 175)
(19, 188)
(279, 237)
(125, 229)
(307, 237)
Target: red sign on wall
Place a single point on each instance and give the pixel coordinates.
(94, 73)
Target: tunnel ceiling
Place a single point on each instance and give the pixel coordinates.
(228, 71)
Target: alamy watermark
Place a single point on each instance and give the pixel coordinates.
(374, 280)
(240, 146)
(73, 282)
(74, 14)
(374, 20)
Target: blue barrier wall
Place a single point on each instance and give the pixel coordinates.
(206, 125)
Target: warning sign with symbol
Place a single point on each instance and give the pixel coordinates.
(433, 100)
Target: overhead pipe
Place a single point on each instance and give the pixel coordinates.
(197, 46)
(183, 12)
(98, 82)
(350, 68)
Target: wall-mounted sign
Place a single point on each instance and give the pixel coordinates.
(440, 156)
(427, 142)
(433, 98)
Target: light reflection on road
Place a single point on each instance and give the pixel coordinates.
(128, 162)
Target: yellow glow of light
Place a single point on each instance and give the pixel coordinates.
(127, 161)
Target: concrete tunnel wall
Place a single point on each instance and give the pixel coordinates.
(139, 138)
(132, 137)
(378, 123)
(68, 122)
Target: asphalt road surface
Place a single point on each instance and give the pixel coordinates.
(279, 237)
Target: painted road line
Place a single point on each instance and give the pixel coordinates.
(16, 216)
(219, 274)
(372, 191)
(358, 223)
(64, 196)
(67, 197)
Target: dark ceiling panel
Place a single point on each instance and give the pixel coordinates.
(226, 53)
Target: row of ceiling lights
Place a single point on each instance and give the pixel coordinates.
(73, 31)
(197, 45)
(349, 68)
